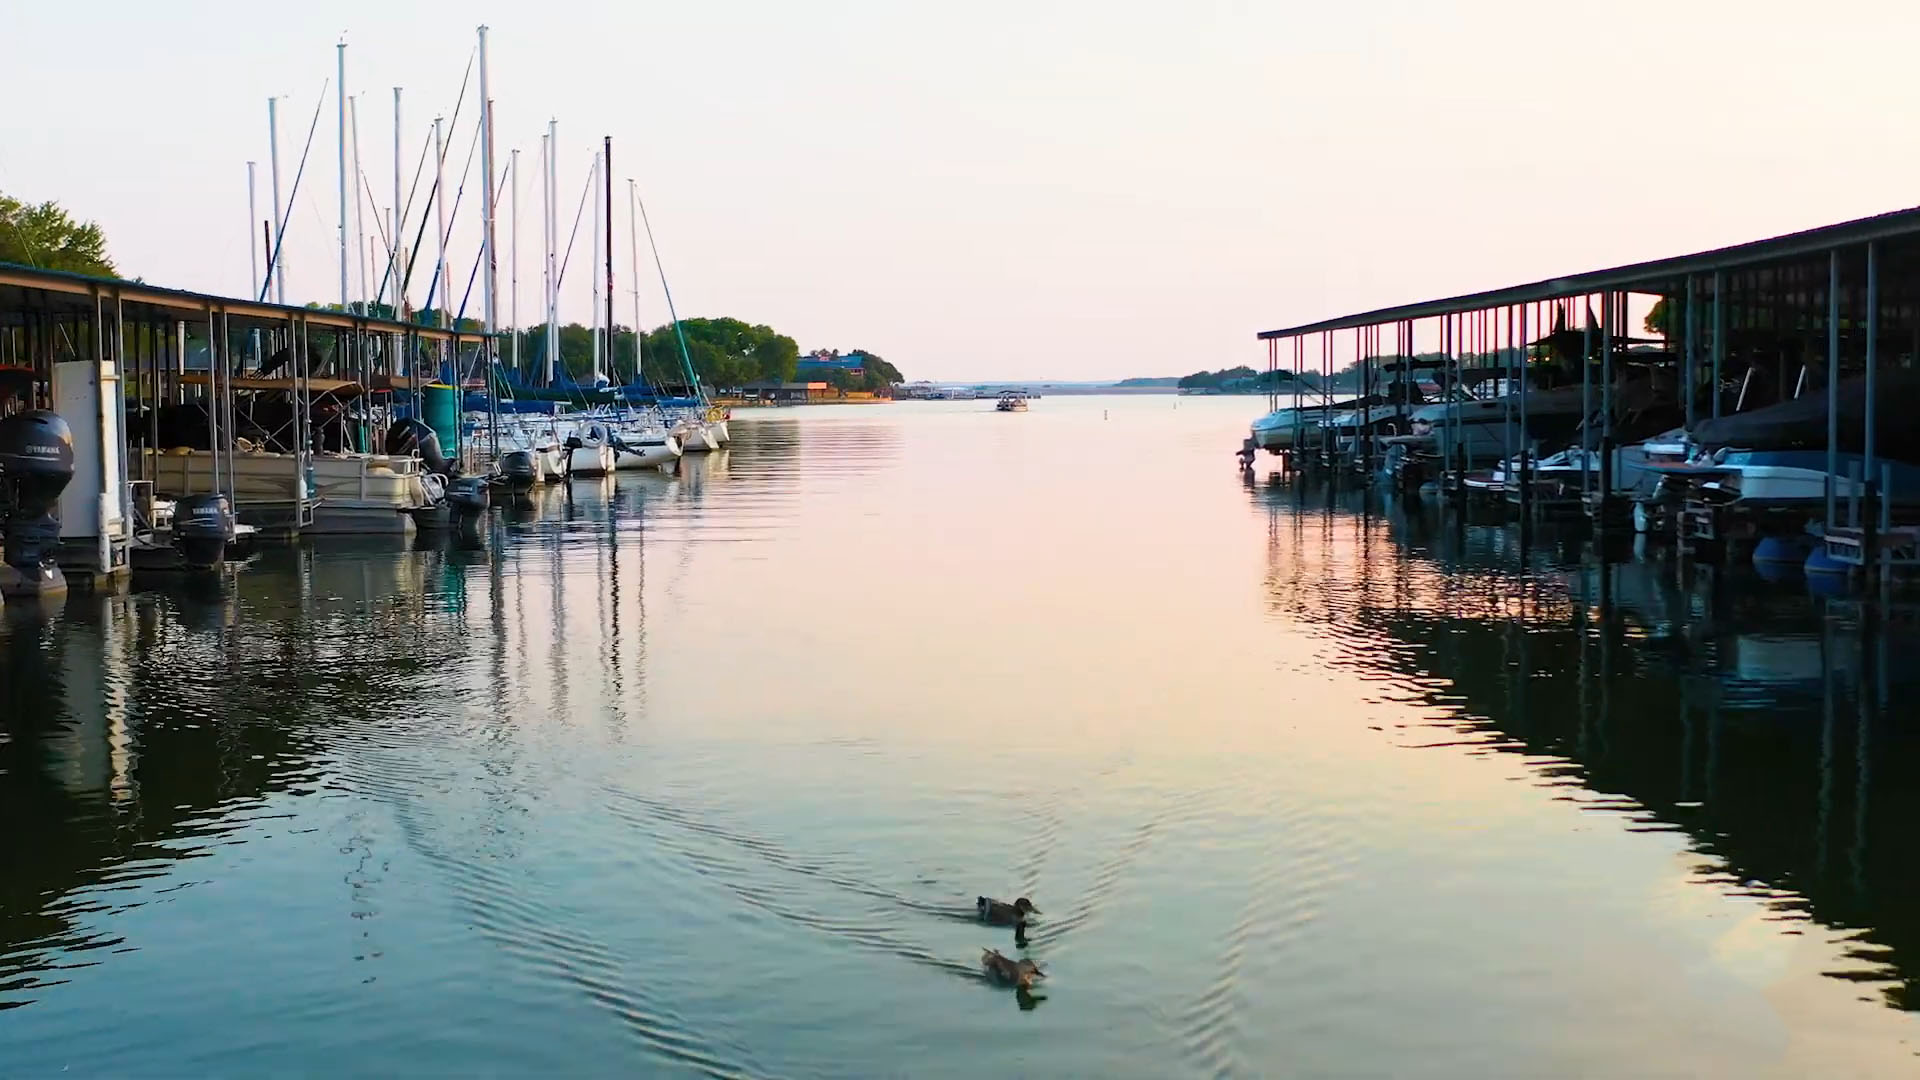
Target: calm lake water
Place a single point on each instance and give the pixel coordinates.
(701, 774)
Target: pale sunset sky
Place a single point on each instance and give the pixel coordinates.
(1024, 190)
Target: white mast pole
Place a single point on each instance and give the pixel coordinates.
(440, 276)
(633, 244)
(490, 295)
(513, 254)
(253, 258)
(340, 54)
(279, 268)
(553, 234)
(253, 252)
(592, 182)
(393, 249)
(546, 252)
(359, 214)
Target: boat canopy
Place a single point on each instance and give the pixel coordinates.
(337, 388)
(1802, 422)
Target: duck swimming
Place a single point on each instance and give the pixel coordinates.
(1022, 973)
(1001, 913)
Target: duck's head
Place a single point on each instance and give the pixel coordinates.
(1025, 907)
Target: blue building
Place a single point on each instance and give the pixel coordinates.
(821, 361)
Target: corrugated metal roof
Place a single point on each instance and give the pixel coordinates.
(1658, 275)
(181, 301)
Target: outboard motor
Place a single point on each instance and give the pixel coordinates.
(518, 471)
(36, 464)
(413, 436)
(203, 526)
(467, 495)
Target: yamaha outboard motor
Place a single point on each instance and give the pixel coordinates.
(518, 471)
(202, 528)
(467, 495)
(36, 463)
(413, 436)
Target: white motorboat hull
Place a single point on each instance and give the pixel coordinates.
(718, 429)
(592, 460)
(697, 439)
(1276, 432)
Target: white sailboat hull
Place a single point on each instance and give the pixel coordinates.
(592, 460)
(648, 455)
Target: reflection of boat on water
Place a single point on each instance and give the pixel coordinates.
(1763, 724)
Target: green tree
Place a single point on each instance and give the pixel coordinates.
(1213, 379)
(44, 235)
(876, 374)
(725, 352)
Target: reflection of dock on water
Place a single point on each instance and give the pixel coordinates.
(1751, 401)
(1764, 725)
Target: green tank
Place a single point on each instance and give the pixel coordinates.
(440, 405)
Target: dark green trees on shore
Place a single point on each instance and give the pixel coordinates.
(44, 235)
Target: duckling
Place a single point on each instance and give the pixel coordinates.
(1022, 973)
(1001, 913)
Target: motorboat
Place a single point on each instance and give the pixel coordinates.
(518, 471)
(1011, 401)
(1276, 431)
(1781, 478)
(342, 492)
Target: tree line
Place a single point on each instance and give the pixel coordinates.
(44, 236)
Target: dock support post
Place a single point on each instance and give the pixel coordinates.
(1868, 487)
(1609, 308)
(1833, 380)
(1586, 405)
(1719, 334)
(1689, 374)
(1526, 446)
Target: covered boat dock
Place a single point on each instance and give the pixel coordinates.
(137, 370)
(1806, 340)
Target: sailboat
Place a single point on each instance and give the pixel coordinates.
(702, 428)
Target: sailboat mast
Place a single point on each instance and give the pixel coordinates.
(253, 255)
(393, 246)
(553, 241)
(277, 265)
(440, 276)
(594, 316)
(340, 138)
(606, 181)
(633, 245)
(513, 253)
(490, 298)
(359, 211)
(491, 304)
